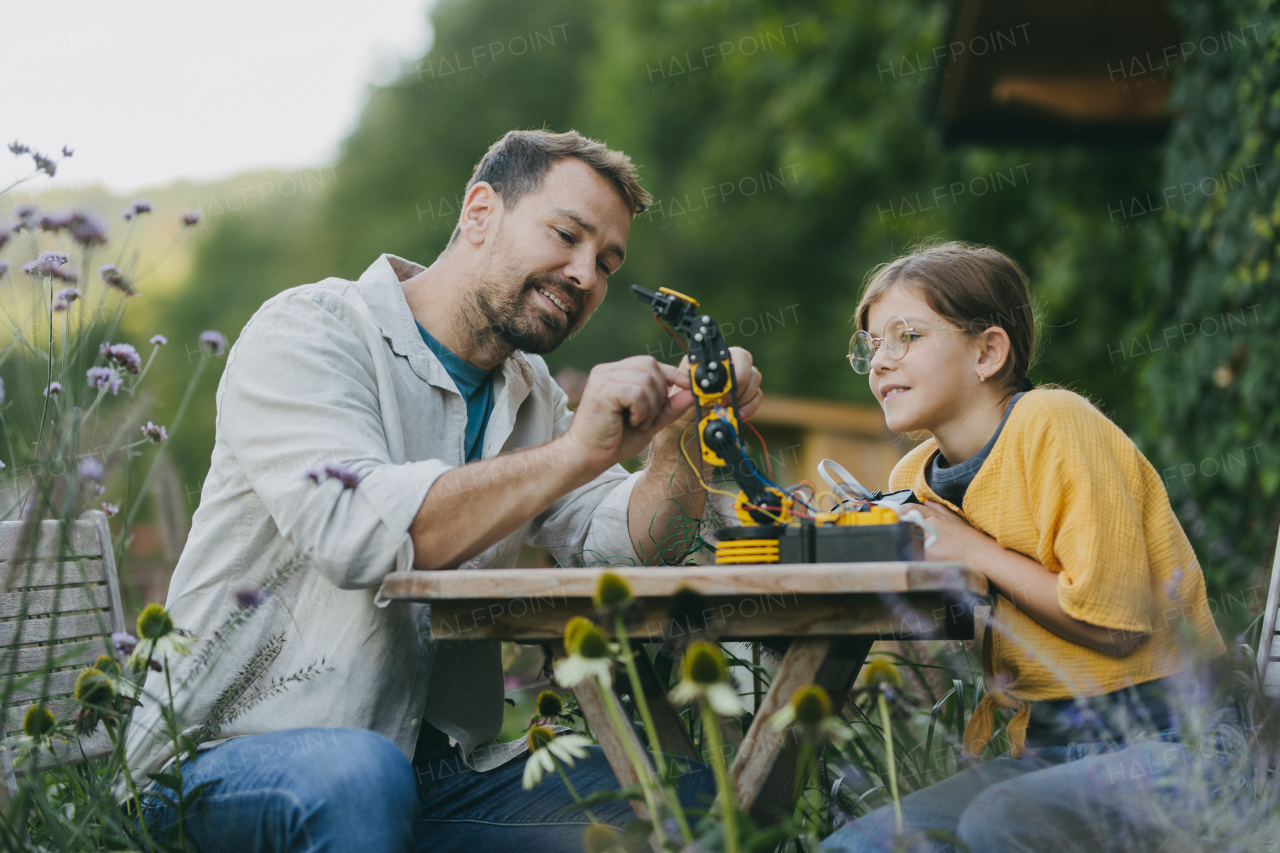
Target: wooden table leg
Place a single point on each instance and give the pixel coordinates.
(765, 768)
(613, 742)
(672, 734)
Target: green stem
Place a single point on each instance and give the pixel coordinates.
(177, 749)
(133, 788)
(637, 693)
(568, 786)
(623, 729)
(893, 773)
(728, 799)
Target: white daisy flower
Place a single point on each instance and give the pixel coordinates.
(590, 655)
(705, 678)
(545, 748)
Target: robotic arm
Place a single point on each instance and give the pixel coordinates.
(716, 391)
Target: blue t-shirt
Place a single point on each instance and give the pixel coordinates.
(476, 387)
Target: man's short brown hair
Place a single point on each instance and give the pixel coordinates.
(517, 163)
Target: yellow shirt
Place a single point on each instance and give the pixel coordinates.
(1066, 487)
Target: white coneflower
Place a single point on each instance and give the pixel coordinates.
(705, 677)
(810, 709)
(39, 730)
(590, 654)
(545, 749)
(110, 667)
(157, 637)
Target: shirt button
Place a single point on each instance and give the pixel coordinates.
(413, 724)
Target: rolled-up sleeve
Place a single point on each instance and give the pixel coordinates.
(300, 391)
(589, 524)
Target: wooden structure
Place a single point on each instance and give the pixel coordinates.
(832, 611)
(1269, 641)
(59, 603)
(1090, 71)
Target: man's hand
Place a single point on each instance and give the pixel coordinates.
(746, 378)
(667, 477)
(624, 405)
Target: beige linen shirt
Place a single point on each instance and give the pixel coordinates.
(337, 372)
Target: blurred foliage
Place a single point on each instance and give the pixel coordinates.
(1210, 417)
(786, 164)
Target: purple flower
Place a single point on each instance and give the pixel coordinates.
(44, 164)
(68, 294)
(54, 389)
(54, 222)
(4, 267)
(45, 264)
(99, 490)
(5, 234)
(104, 377)
(18, 148)
(122, 354)
(249, 598)
(159, 340)
(67, 151)
(117, 278)
(349, 477)
(91, 469)
(154, 432)
(124, 642)
(213, 341)
(109, 508)
(140, 205)
(191, 217)
(87, 228)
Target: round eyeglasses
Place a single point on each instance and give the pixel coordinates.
(896, 339)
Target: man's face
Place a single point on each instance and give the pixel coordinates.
(551, 255)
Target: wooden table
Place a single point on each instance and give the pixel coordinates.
(832, 612)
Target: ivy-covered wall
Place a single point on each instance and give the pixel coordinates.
(1209, 345)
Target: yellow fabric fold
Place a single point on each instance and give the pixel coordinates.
(982, 725)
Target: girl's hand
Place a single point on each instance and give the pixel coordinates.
(957, 539)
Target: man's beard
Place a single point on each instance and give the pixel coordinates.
(508, 314)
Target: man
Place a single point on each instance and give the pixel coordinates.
(435, 439)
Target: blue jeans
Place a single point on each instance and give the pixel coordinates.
(354, 790)
(1081, 797)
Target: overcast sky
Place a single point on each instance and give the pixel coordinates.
(147, 91)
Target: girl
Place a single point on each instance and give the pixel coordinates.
(1098, 598)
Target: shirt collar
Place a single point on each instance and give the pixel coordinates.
(381, 288)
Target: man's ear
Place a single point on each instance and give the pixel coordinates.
(479, 210)
(993, 350)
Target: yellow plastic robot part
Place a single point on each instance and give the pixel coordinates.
(677, 294)
(777, 516)
(720, 398)
(747, 551)
(711, 457)
(875, 515)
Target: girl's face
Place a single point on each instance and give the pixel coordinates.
(934, 381)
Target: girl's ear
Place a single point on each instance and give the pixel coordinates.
(993, 351)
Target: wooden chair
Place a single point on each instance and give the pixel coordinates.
(1269, 642)
(59, 604)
